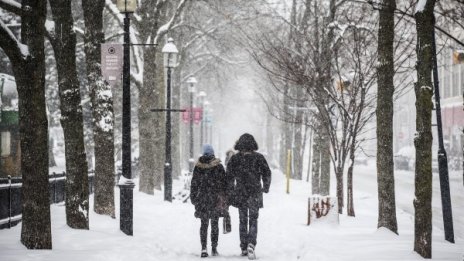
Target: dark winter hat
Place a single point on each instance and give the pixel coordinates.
(246, 142)
(208, 150)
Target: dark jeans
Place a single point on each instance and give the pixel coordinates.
(248, 225)
(214, 231)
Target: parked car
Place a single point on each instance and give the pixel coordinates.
(361, 160)
(404, 158)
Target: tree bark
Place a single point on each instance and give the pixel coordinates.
(298, 150)
(64, 45)
(385, 74)
(425, 22)
(29, 72)
(151, 126)
(349, 198)
(316, 161)
(102, 109)
(286, 128)
(325, 79)
(339, 177)
(151, 95)
(324, 148)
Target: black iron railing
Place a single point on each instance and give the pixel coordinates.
(10, 196)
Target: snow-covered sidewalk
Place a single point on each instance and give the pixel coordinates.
(165, 231)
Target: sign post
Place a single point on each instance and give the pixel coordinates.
(112, 63)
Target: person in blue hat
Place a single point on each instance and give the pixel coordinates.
(207, 194)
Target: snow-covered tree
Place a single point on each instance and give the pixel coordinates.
(27, 57)
(102, 108)
(425, 22)
(62, 37)
(384, 113)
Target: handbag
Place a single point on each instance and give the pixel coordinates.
(226, 223)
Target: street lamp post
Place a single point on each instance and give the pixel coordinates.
(126, 185)
(191, 88)
(170, 61)
(442, 158)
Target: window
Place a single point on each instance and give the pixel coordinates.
(6, 145)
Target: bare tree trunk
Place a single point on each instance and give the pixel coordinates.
(325, 79)
(339, 176)
(425, 22)
(385, 74)
(286, 130)
(151, 95)
(148, 121)
(316, 161)
(349, 181)
(64, 45)
(102, 109)
(298, 149)
(29, 71)
(310, 154)
(324, 147)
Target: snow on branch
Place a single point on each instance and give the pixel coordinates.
(166, 27)
(11, 6)
(421, 6)
(12, 47)
(339, 105)
(217, 57)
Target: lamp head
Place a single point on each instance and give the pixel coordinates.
(192, 81)
(126, 6)
(170, 54)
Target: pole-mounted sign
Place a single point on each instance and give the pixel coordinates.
(112, 63)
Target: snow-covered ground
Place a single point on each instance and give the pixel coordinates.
(165, 231)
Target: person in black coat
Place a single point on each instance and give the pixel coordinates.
(245, 172)
(207, 194)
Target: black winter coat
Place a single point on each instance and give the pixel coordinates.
(208, 188)
(245, 171)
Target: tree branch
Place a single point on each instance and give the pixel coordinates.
(13, 48)
(11, 6)
(166, 27)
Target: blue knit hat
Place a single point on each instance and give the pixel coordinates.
(208, 150)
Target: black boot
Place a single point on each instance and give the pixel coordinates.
(214, 251)
(204, 253)
(251, 252)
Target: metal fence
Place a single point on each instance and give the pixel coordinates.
(10, 196)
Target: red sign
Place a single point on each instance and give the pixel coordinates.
(197, 115)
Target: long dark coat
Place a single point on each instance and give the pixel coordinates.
(245, 171)
(208, 188)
